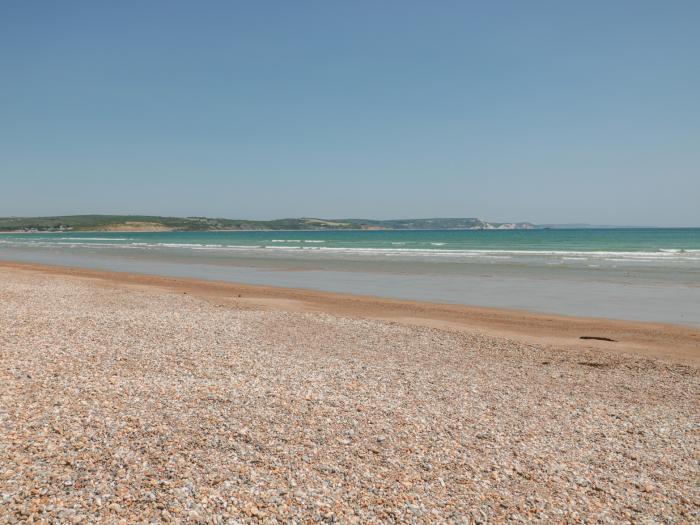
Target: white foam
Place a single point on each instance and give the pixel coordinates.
(177, 245)
(93, 239)
(437, 250)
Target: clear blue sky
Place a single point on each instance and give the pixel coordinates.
(540, 111)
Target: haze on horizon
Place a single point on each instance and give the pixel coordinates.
(543, 111)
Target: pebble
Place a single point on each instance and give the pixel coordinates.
(121, 404)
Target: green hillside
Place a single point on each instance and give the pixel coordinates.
(153, 222)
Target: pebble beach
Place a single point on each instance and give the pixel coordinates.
(136, 404)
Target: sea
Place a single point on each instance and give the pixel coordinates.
(649, 274)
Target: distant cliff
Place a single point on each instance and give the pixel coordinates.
(133, 223)
(437, 224)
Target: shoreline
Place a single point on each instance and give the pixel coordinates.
(668, 342)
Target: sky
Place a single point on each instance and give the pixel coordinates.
(549, 112)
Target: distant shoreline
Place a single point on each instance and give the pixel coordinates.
(159, 223)
(156, 223)
(602, 228)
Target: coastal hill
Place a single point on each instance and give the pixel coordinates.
(156, 223)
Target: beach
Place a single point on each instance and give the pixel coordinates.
(345, 263)
(127, 397)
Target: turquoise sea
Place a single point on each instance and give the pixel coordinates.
(650, 274)
(672, 244)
